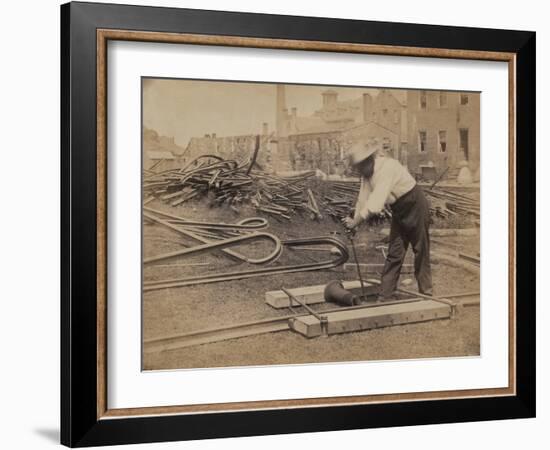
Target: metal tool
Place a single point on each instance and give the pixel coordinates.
(350, 233)
(323, 320)
(334, 292)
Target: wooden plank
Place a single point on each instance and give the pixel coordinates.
(281, 323)
(211, 335)
(375, 317)
(314, 294)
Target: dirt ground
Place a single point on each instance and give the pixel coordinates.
(185, 309)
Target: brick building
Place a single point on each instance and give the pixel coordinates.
(322, 139)
(160, 151)
(237, 148)
(438, 129)
(443, 129)
(419, 128)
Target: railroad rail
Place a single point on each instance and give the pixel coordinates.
(339, 259)
(274, 324)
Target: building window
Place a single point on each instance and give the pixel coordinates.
(423, 100)
(442, 141)
(463, 143)
(395, 116)
(422, 141)
(464, 99)
(385, 112)
(442, 99)
(374, 116)
(387, 146)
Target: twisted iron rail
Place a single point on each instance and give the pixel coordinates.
(214, 244)
(230, 242)
(341, 258)
(249, 223)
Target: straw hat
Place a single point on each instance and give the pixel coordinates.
(361, 150)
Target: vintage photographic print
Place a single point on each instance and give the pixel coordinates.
(297, 224)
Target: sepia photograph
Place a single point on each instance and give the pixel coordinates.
(300, 224)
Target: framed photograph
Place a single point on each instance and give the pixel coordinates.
(278, 224)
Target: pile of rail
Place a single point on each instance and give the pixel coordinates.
(340, 198)
(443, 202)
(232, 183)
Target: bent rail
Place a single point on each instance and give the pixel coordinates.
(202, 248)
(341, 258)
(274, 255)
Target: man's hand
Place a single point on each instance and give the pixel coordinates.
(350, 223)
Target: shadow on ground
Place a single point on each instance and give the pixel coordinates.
(49, 434)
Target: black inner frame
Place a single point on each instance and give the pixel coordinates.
(79, 424)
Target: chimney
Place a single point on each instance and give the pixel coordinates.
(330, 98)
(293, 115)
(367, 107)
(281, 111)
(265, 142)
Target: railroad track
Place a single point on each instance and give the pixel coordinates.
(271, 325)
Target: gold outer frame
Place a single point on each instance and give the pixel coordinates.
(105, 35)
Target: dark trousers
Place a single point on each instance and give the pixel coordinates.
(410, 225)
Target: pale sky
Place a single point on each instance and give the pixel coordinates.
(190, 108)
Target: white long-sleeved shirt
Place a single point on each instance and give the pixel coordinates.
(389, 181)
